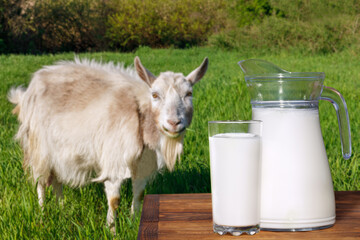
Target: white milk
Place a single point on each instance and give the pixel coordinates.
(235, 169)
(297, 190)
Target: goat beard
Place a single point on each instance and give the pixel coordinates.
(171, 149)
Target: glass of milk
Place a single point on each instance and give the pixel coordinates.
(235, 158)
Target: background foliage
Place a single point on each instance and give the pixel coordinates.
(312, 26)
(178, 23)
(31, 26)
(78, 25)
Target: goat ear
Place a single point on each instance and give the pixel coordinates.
(198, 73)
(143, 73)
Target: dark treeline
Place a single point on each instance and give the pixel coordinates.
(41, 26)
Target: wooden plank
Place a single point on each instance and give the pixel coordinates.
(148, 228)
(185, 202)
(185, 216)
(203, 230)
(189, 216)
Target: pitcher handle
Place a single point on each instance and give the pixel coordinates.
(332, 95)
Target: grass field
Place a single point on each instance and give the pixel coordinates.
(221, 95)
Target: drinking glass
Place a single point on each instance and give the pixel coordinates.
(235, 158)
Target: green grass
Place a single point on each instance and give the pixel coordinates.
(221, 95)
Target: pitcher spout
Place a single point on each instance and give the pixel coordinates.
(259, 67)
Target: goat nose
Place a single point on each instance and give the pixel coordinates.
(174, 122)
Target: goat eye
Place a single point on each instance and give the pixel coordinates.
(188, 94)
(155, 95)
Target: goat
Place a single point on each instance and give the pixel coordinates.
(84, 121)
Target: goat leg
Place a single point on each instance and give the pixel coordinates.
(40, 189)
(57, 189)
(138, 187)
(112, 190)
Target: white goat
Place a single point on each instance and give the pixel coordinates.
(80, 118)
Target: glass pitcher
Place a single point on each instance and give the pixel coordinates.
(297, 190)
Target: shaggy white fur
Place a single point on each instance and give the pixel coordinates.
(84, 118)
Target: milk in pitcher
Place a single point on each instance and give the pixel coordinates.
(293, 145)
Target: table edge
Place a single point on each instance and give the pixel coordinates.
(148, 228)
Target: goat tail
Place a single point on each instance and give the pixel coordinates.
(15, 96)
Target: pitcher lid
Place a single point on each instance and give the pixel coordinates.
(268, 82)
(263, 70)
(287, 76)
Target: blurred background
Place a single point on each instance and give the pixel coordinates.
(309, 26)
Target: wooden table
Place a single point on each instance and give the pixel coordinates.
(188, 216)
